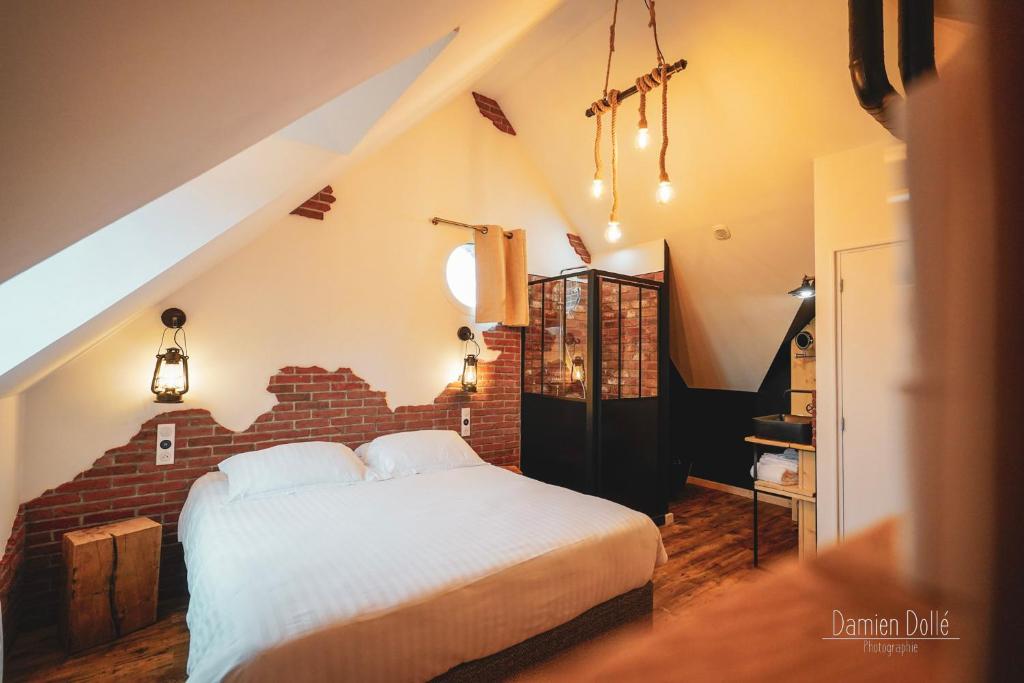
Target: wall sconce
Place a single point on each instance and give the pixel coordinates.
(469, 363)
(170, 376)
(805, 290)
(578, 370)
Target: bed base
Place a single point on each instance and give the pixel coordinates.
(634, 607)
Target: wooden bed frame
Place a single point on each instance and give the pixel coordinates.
(634, 607)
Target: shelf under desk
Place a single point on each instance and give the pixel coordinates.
(780, 444)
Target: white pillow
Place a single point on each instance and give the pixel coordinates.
(405, 453)
(291, 465)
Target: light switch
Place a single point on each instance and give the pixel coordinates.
(165, 444)
(465, 421)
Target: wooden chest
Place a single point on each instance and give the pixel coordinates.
(111, 583)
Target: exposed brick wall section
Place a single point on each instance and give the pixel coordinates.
(639, 368)
(492, 110)
(316, 206)
(637, 324)
(312, 404)
(576, 242)
(10, 577)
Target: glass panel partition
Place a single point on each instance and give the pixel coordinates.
(557, 342)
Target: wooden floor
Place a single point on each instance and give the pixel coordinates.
(708, 548)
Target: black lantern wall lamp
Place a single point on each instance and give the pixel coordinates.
(470, 360)
(170, 376)
(577, 367)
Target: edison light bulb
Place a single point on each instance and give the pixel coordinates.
(665, 192)
(613, 233)
(597, 188)
(643, 137)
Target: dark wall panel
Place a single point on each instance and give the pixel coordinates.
(708, 425)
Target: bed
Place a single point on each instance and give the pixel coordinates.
(403, 579)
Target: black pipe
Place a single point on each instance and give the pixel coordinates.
(867, 63)
(917, 40)
(631, 90)
(867, 54)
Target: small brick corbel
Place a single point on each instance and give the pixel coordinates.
(576, 242)
(316, 206)
(491, 110)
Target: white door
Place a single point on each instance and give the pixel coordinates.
(874, 354)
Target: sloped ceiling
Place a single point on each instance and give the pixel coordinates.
(767, 90)
(108, 106)
(64, 301)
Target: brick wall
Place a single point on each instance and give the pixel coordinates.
(10, 577)
(312, 404)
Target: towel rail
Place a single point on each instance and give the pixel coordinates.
(482, 229)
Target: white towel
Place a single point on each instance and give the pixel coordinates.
(772, 467)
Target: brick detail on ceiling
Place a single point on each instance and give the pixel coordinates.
(316, 206)
(576, 242)
(492, 110)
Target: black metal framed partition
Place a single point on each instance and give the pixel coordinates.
(595, 387)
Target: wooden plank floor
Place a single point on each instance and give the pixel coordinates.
(708, 548)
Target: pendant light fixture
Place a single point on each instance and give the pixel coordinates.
(170, 376)
(805, 290)
(469, 363)
(609, 102)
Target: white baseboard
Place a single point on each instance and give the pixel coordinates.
(737, 491)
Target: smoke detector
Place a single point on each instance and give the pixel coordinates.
(721, 232)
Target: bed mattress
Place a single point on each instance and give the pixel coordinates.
(397, 580)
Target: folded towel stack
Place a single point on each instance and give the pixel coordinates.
(778, 468)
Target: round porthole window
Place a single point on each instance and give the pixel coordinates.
(460, 273)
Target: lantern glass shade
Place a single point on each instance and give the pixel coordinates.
(469, 373)
(578, 371)
(170, 376)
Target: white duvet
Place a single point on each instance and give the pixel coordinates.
(399, 579)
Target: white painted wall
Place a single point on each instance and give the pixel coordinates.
(363, 289)
(638, 259)
(859, 200)
(9, 411)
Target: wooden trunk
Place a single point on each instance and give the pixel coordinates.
(111, 585)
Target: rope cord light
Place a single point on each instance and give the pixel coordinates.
(609, 102)
(659, 76)
(601, 106)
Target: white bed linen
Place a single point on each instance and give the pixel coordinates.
(407, 577)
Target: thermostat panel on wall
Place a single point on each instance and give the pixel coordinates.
(165, 444)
